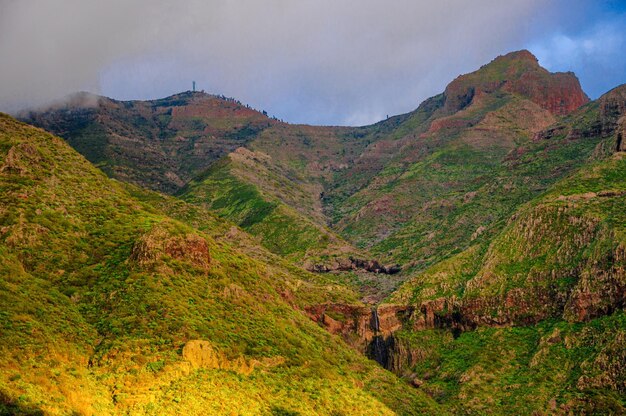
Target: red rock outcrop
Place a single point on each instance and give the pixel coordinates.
(359, 325)
(150, 248)
(432, 311)
(559, 93)
(352, 322)
(613, 116)
(518, 73)
(612, 105)
(391, 318)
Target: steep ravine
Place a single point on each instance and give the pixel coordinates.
(581, 275)
(368, 329)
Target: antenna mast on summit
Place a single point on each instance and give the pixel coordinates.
(194, 85)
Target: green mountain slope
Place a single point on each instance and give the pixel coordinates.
(561, 238)
(452, 179)
(552, 368)
(561, 255)
(158, 144)
(534, 321)
(175, 145)
(109, 306)
(502, 199)
(248, 189)
(560, 265)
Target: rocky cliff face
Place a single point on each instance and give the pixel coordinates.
(518, 73)
(352, 264)
(613, 115)
(558, 93)
(613, 104)
(368, 329)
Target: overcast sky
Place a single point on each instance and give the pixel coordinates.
(311, 61)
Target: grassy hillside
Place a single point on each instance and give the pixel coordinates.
(502, 198)
(547, 241)
(557, 274)
(158, 144)
(555, 367)
(455, 178)
(563, 250)
(247, 189)
(110, 306)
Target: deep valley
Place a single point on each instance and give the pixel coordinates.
(191, 255)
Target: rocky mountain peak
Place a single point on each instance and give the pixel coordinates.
(522, 55)
(518, 73)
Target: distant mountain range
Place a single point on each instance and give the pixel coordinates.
(232, 263)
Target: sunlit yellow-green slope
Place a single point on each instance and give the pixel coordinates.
(108, 306)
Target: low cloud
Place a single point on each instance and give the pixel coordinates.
(314, 61)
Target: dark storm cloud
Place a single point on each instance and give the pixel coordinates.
(316, 61)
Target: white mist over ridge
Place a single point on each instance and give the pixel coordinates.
(313, 61)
